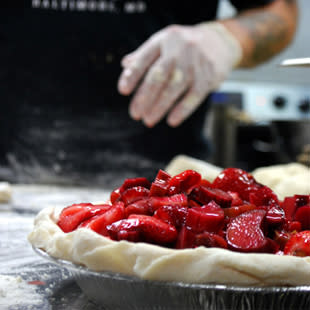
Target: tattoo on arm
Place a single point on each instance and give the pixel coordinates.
(267, 30)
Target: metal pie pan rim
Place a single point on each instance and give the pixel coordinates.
(207, 286)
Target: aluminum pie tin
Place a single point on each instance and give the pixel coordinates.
(113, 291)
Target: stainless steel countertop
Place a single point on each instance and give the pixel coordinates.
(55, 288)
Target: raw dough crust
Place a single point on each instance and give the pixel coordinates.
(200, 265)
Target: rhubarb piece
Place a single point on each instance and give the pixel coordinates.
(186, 239)
(290, 204)
(237, 210)
(175, 200)
(244, 232)
(161, 184)
(236, 180)
(302, 215)
(209, 240)
(73, 215)
(184, 182)
(298, 244)
(275, 216)
(99, 223)
(133, 194)
(206, 194)
(207, 218)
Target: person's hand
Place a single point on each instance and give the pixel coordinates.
(176, 69)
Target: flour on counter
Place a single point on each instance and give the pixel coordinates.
(15, 291)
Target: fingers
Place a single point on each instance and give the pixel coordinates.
(171, 92)
(188, 104)
(153, 83)
(136, 64)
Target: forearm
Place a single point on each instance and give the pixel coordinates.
(265, 31)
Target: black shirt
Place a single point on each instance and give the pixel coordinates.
(62, 118)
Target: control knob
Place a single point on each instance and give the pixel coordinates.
(304, 105)
(279, 102)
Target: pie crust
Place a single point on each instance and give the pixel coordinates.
(146, 261)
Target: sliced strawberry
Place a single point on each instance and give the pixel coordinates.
(299, 244)
(244, 232)
(134, 182)
(236, 200)
(207, 218)
(293, 226)
(115, 195)
(161, 184)
(155, 230)
(186, 239)
(138, 207)
(133, 194)
(173, 215)
(209, 240)
(237, 210)
(175, 200)
(206, 194)
(126, 229)
(302, 215)
(73, 215)
(99, 223)
(184, 182)
(263, 196)
(236, 180)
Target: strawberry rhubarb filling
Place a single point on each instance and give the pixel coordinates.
(184, 211)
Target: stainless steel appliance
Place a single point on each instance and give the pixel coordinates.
(259, 124)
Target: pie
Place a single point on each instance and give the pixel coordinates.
(184, 228)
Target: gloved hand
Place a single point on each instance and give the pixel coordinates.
(175, 69)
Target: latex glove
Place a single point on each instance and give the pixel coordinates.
(175, 69)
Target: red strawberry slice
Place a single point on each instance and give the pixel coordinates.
(155, 230)
(237, 210)
(302, 215)
(209, 240)
(186, 239)
(299, 244)
(73, 215)
(138, 207)
(134, 182)
(133, 194)
(205, 183)
(173, 215)
(149, 228)
(161, 184)
(99, 223)
(115, 195)
(184, 182)
(207, 218)
(175, 200)
(263, 196)
(206, 194)
(244, 232)
(126, 229)
(236, 180)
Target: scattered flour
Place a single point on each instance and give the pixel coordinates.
(14, 291)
